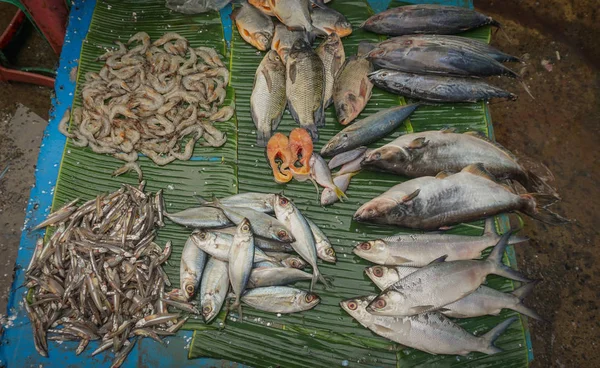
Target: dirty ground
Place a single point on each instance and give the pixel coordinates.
(560, 128)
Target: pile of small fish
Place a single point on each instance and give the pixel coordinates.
(426, 278)
(99, 276)
(250, 250)
(150, 99)
(426, 61)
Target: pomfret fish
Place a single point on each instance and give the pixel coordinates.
(328, 21)
(255, 27)
(429, 332)
(331, 52)
(305, 87)
(213, 288)
(241, 255)
(280, 299)
(190, 269)
(352, 89)
(276, 276)
(200, 217)
(429, 203)
(284, 38)
(441, 283)
(368, 130)
(437, 88)
(295, 14)
(324, 249)
(267, 101)
(426, 19)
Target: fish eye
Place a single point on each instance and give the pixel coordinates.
(365, 246)
(377, 271)
(206, 310)
(384, 74)
(283, 201)
(245, 227)
(282, 234)
(294, 263)
(377, 155)
(352, 305)
(202, 235)
(330, 252)
(310, 297)
(380, 303)
(189, 289)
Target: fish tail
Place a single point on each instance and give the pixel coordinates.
(495, 258)
(262, 138)
(521, 293)
(535, 207)
(524, 290)
(339, 193)
(240, 312)
(490, 337)
(537, 182)
(490, 230)
(201, 200)
(315, 277)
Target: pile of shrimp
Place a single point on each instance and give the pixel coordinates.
(152, 98)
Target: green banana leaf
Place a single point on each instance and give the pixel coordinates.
(325, 335)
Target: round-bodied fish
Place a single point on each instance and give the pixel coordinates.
(190, 268)
(262, 202)
(331, 52)
(217, 244)
(241, 256)
(280, 299)
(200, 217)
(255, 27)
(276, 276)
(283, 39)
(352, 89)
(329, 21)
(324, 249)
(213, 288)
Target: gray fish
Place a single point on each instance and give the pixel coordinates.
(200, 217)
(352, 89)
(328, 21)
(262, 202)
(431, 152)
(386, 276)
(418, 250)
(285, 260)
(426, 19)
(429, 203)
(345, 157)
(429, 332)
(255, 27)
(264, 244)
(304, 245)
(217, 244)
(280, 299)
(437, 88)
(422, 56)
(241, 255)
(285, 38)
(268, 101)
(331, 52)
(320, 173)
(305, 87)
(324, 249)
(368, 130)
(190, 269)
(213, 288)
(295, 14)
(441, 283)
(276, 276)
(328, 195)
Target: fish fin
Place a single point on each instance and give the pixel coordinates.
(491, 336)
(442, 175)
(525, 290)
(489, 229)
(329, 30)
(315, 277)
(363, 88)
(483, 137)
(276, 44)
(525, 310)
(339, 193)
(495, 258)
(268, 79)
(439, 259)
(382, 329)
(418, 143)
(536, 208)
(292, 72)
(319, 117)
(448, 130)
(246, 33)
(320, 4)
(201, 200)
(411, 196)
(479, 170)
(421, 309)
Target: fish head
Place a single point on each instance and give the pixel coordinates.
(372, 250)
(343, 28)
(382, 276)
(294, 262)
(375, 210)
(387, 157)
(188, 286)
(386, 304)
(347, 110)
(379, 75)
(326, 253)
(283, 207)
(300, 45)
(263, 40)
(202, 238)
(208, 309)
(357, 306)
(307, 299)
(274, 60)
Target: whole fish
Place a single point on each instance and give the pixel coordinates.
(426, 19)
(422, 56)
(217, 244)
(262, 5)
(276, 276)
(331, 52)
(286, 260)
(190, 269)
(368, 130)
(280, 158)
(352, 89)
(262, 224)
(305, 87)
(255, 27)
(295, 14)
(200, 217)
(418, 250)
(241, 255)
(213, 288)
(283, 39)
(470, 44)
(441, 283)
(429, 203)
(301, 147)
(437, 88)
(321, 174)
(304, 245)
(428, 153)
(267, 101)
(262, 202)
(328, 21)
(354, 166)
(324, 249)
(429, 332)
(264, 244)
(328, 195)
(345, 157)
(280, 299)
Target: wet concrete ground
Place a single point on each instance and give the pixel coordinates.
(560, 128)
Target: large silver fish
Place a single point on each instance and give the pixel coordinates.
(295, 14)
(304, 245)
(213, 288)
(429, 332)
(305, 87)
(241, 255)
(352, 89)
(255, 27)
(276, 276)
(200, 217)
(190, 268)
(267, 101)
(285, 38)
(441, 283)
(426, 19)
(331, 52)
(280, 299)
(429, 203)
(418, 250)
